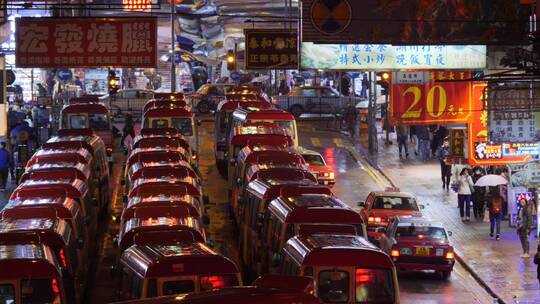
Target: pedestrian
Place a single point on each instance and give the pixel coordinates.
(423, 136)
(129, 129)
(414, 138)
(446, 169)
(438, 138)
(5, 165)
(465, 186)
(283, 87)
(495, 205)
(402, 135)
(537, 262)
(479, 194)
(365, 85)
(524, 225)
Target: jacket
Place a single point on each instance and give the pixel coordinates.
(5, 160)
(465, 183)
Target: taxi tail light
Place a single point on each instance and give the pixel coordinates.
(374, 219)
(450, 255)
(394, 253)
(214, 281)
(332, 175)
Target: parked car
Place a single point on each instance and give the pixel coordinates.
(209, 96)
(128, 101)
(316, 100)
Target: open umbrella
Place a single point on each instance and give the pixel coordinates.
(491, 180)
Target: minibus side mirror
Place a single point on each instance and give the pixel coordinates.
(276, 260)
(422, 207)
(80, 243)
(206, 220)
(361, 204)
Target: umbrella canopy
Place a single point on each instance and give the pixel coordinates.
(491, 180)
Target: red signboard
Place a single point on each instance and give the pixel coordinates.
(86, 42)
(434, 102)
(482, 153)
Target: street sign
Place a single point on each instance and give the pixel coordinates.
(64, 74)
(271, 49)
(10, 77)
(410, 77)
(235, 75)
(457, 142)
(86, 42)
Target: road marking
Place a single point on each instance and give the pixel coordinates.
(315, 142)
(339, 142)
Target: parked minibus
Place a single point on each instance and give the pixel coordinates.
(160, 270)
(93, 116)
(345, 268)
(178, 118)
(282, 118)
(31, 273)
(297, 206)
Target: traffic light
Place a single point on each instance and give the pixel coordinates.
(114, 83)
(231, 60)
(384, 81)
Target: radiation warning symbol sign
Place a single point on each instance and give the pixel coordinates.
(331, 16)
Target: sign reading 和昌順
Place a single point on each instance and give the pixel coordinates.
(86, 42)
(432, 102)
(271, 49)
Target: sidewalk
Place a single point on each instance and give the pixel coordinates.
(495, 263)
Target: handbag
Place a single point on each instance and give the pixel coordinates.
(455, 187)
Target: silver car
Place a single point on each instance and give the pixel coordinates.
(128, 101)
(316, 100)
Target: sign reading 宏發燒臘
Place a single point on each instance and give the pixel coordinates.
(271, 49)
(86, 42)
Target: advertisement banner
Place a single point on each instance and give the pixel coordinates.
(434, 102)
(483, 153)
(86, 42)
(415, 22)
(271, 49)
(392, 57)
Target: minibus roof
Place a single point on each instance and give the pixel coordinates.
(263, 114)
(176, 260)
(60, 170)
(336, 250)
(51, 232)
(57, 207)
(167, 112)
(159, 141)
(292, 171)
(26, 261)
(72, 187)
(137, 205)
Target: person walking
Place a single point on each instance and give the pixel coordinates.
(423, 136)
(402, 136)
(495, 205)
(537, 262)
(365, 86)
(465, 186)
(129, 129)
(479, 195)
(5, 165)
(446, 169)
(524, 225)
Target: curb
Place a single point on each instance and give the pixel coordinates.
(357, 157)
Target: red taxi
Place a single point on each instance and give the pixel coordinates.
(417, 243)
(57, 235)
(147, 228)
(32, 274)
(301, 206)
(345, 268)
(268, 289)
(381, 206)
(160, 270)
(318, 166)
(253, 136)
(223, 115)
(94, 116)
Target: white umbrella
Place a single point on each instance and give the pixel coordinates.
(491, 180)
(260, 79)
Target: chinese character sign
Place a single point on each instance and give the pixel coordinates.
(86, 42)
(433, 102)
(392, 57)
(271, 49)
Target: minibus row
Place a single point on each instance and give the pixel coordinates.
(288, 223)
(48, 227)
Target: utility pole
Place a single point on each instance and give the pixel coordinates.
(173, 48)
(372, 109)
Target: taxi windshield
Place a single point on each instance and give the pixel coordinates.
(313, 159)
(395, 203)
(422, 232)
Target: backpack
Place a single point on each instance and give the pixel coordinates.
(496, 205)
